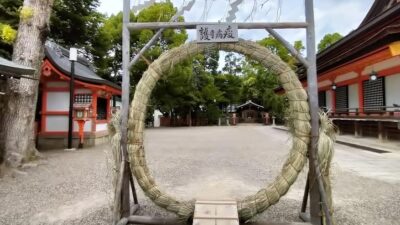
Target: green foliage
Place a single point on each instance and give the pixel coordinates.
(192, 88)
(107, 50)
(230, 86)
(7, 34)
(211, 60)
(258, 85)
(328, 40)
(259, 82)
(280, 50)
(9, 15)
(107, 54)
(9, 12)
(73, 22)
(232, 64)
(298, 45)
(26, 13)
(175, 92)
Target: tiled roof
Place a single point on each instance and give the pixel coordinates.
(12, 68)
(84, 70)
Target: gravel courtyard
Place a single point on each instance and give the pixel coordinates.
(201, 162)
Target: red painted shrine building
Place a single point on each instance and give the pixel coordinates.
(359, 76)
(90, 91)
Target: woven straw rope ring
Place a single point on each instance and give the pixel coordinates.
(300, 116)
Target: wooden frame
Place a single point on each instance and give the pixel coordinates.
(316, 189)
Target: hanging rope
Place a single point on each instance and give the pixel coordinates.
(234, 9)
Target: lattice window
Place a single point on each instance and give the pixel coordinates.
(374, 94)
(83, 98)
(322, 99)
(342, 99)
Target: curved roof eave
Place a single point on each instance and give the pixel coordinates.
(58, 56)
(12, 68)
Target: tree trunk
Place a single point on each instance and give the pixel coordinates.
(19, 118)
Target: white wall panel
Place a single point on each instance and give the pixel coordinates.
(56, 123)
(353, 97)
(392, 90)
(101, 127)
(329, 99)
(117, 103)
(57, 101)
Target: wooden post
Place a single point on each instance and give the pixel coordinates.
(317, 192)
(125, 201)
(71, 104)
(380, 131)
(357, 129)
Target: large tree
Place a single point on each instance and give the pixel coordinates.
(18, 124)
(73, 22)
(107, 54)
(259, 82)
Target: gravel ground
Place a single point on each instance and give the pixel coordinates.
(202, 162)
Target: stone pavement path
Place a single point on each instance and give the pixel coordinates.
(202, 162)
(381, 166)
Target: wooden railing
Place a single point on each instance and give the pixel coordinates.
(365, 112)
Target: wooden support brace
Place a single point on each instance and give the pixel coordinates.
(357, 129)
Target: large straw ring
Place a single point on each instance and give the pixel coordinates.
(299, 117)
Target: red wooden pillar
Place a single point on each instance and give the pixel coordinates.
(108, 108)
(94, 110)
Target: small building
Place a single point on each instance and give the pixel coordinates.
(90, 90)
(359, 76)
(250, 112)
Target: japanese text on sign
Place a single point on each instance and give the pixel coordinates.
(217, 33)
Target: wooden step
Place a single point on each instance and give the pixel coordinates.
(222, 212)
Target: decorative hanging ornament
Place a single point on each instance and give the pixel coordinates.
(234, 9)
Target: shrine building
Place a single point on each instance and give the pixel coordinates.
(250, 112)
(359, 76)
(92, 94)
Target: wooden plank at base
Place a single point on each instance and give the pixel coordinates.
(219, 202)
(216, 213)
(278, 223)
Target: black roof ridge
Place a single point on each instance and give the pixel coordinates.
(250, 102)
(84, 71)
(359, 30)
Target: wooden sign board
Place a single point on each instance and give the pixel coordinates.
(217, 33)
(216, 213)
